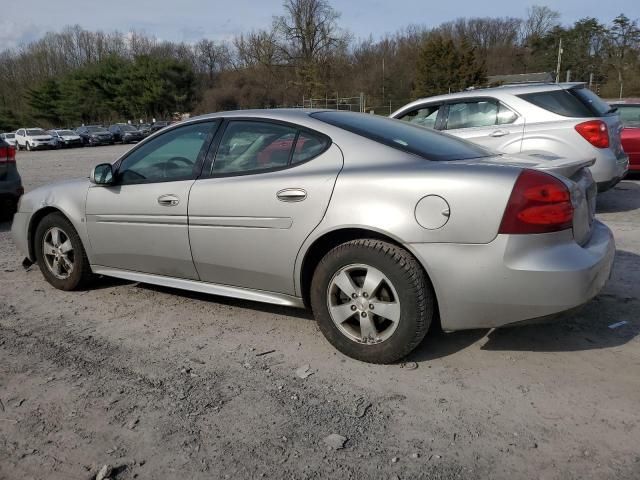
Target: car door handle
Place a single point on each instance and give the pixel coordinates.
(291, 195)
(168, 200)
(499, 133)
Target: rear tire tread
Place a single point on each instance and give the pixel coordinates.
(417, 279)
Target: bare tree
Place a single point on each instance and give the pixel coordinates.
(211, 57)
(624, 41)
(540, 20)
(309, 34)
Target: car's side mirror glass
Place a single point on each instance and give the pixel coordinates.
(102, 174)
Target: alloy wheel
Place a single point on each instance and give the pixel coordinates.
(363, 304)
(58, 253)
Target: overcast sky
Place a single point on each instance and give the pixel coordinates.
(189, 20)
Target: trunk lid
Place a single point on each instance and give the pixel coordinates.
(575, 174)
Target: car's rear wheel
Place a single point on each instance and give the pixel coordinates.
(372, 300)
(60, 253)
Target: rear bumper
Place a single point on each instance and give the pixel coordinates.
(604, 186)
(516, 277)
(609, 169)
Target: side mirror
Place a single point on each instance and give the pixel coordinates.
(102, 174)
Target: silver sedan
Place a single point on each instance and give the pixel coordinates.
(378, 226)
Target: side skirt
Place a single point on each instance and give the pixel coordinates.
(202, 287)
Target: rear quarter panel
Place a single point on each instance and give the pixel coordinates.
(379, 188)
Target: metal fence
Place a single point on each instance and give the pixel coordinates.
(358, 103)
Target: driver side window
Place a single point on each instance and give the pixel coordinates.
(171, 156)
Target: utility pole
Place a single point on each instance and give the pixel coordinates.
(382, 79)
(559, 62)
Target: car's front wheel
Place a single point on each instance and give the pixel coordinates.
(372, 300)
(28, 147)
(60, 253)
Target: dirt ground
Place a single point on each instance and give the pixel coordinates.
(159, 383)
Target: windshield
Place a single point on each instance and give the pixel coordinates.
(65, 132)
(9, 135)
(97, 130)
(36, 131)
(427, 143)
(128, 128)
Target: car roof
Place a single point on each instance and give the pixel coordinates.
(510, 89)
(284, 114)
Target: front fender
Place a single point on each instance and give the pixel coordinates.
(68, 198)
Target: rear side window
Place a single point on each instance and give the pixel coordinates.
(472, 114)
(575, 102)
(479, 113)
(429, 144)
(254, 146)
(308, 146)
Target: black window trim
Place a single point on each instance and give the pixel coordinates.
(213, 149)
(200, 161)
(454, 101)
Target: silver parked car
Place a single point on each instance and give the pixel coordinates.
(565, 119)
(378, 225)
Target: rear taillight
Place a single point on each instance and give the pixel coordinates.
(8, 154)
(595, 132)
(539, 203)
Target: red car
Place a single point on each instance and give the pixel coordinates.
(630, 116)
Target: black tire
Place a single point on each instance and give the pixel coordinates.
(415, 293)
(81, 275)
(28, 147)
(7, 208)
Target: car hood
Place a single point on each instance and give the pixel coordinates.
(56, 194)
(39, 137)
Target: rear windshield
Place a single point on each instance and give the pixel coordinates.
(574, 102)
(629, 115)
(427, 143)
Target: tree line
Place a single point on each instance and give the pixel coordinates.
(78, 76)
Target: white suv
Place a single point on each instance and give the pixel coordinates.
(565, 119)
(33, 139)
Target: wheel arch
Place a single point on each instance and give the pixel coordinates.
(34, 221)
(328, 240)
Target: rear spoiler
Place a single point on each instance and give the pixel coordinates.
(560, 165)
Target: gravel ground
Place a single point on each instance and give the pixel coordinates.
(159, 383)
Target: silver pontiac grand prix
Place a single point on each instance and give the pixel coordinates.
(381, 227)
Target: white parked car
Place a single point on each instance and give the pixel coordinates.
(33, 139)
(10, 138)
(567, 120)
